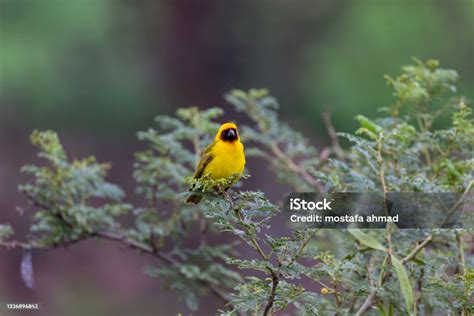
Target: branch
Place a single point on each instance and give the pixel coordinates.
(458, 203)
(271, 298)
(12, 244)
(160, 256)
(258, 248)
(302, 247)
(121, 238)
(417, 249)
(239, 217)
(333, 136)
(297, 169)
(113, 236)
(369, 301)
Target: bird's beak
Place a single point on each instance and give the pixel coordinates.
(231, 134)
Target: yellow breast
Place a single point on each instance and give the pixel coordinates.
(228, 159)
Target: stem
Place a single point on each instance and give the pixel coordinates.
(336, 297)
(121, 238)
(389, 240)
(160, 256)
(417, 249)
(255, 244)
(426, 151)
(333, 136)
(380, 161)
(302, 247)
(271, 298)
(456, 205)
(297, 169)
(462, 264)
(462, 259)
(241, 220)
(369, 301)
(382, 270)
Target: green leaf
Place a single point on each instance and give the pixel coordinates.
(367, 132)
(390, 310)
(5, 231)
(381, 309)
(191, 301)
(404, 281)
(368, 124)
(366, 239)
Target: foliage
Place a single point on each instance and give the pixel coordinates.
(84, 62)
(302, 272)
(5, 231)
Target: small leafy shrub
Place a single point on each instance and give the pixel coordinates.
(409, 148)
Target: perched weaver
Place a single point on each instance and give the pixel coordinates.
(223, 158)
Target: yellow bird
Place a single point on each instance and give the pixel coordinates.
(222, 158)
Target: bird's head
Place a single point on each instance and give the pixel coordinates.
(228, 133)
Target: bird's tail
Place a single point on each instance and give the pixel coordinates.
(194, 199)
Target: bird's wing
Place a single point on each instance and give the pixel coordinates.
(206, 158)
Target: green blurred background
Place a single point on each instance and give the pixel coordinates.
(99, 70)
(110, 65)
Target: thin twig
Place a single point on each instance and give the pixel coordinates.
(121, 238)
(258, 248)
(462, 259)
(297, 169)
(302, 247)
(271, 298)
(423, 129)
(456, 205)
(369, 301)
(113, 236)
(417, 249)
(159, 255)
(380, 161)
(240, 218)
(462, 265)
(336, 297)
(333, 136)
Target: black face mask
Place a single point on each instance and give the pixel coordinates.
(229, 135)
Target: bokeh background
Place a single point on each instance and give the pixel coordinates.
(97, 71)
